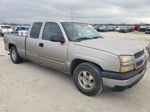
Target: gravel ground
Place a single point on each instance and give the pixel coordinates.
(28, 87)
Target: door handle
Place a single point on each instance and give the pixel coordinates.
(41, 45)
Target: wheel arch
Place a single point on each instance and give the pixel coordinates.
(76, 62)
(11, 45)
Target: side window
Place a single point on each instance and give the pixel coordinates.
(35, 31)
(51, 29)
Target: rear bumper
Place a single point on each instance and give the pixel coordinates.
(121, 81)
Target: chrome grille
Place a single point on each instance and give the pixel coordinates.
(138, 64)
(139, 54)
(139, 58)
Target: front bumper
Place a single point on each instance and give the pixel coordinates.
(148, 49)
(121, 81)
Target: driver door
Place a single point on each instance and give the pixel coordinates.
(52, 54)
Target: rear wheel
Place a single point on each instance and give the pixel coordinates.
(87, 78)
(15, 58)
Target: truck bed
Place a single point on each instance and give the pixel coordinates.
(18, 41)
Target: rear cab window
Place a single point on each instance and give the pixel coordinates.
(35, 30)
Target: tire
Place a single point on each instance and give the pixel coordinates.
(91, 83)
(15, 58)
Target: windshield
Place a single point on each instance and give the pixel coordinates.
(77, 31)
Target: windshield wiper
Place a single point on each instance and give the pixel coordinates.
(96, 37)
(82, 38)
(86, 38)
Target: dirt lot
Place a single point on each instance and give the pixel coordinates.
(28, 87)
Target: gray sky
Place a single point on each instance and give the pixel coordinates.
(91, 11)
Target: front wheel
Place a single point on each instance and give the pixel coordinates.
(15, 58)
(87, 78)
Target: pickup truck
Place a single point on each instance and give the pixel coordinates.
(78, 49)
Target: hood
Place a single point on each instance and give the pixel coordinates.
(112, 46)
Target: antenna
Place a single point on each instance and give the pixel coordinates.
(72, 21)
(71, 15)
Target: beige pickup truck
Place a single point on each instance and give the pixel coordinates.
(77, 49)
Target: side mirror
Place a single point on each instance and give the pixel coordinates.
(57, 38)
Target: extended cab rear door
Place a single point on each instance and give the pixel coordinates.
(52, 54)
(32, 42)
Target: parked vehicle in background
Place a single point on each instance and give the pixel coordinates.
(117, 29)
(136, 27)
(130, 28)
(19, 28)
(111, 28)
(147, 31)
(142, 28)
(101, 28)
(79, 50)
(97, 28)
(124, 30)
(6, 28)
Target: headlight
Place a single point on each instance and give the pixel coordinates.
(126, 68)
(126, 59)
